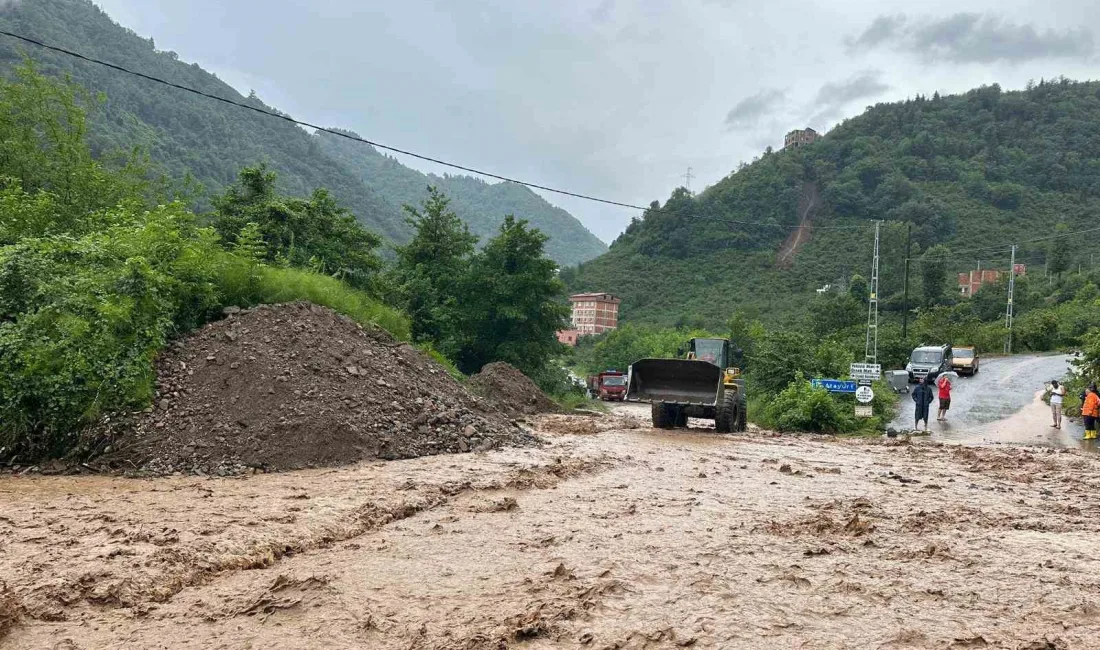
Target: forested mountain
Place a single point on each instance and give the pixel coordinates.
(210, 141)
(478, 203)
(970, 174)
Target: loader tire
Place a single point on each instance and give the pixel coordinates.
(727, 418)
(742, 414)
(662, 416)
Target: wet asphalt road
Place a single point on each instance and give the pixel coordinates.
(1001, 405)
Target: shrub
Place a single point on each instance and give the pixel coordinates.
(78, 335)
(801, 407)
(81, 319)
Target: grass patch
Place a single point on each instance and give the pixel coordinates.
(447, 364)
(272, 285)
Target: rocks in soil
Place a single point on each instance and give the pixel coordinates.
(291, 386)
(511, 390)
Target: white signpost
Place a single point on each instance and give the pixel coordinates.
(865, 371)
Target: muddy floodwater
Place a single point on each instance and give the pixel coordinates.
(612, 536)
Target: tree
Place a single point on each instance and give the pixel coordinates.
(934, 274)
(859, 289)
(744, 333)
(512, 303)
(50, 184)
(430, 267)
(832, 313)
(1058, 253)
(316, 234)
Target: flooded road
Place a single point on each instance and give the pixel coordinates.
(1001, 404)
(612, 536)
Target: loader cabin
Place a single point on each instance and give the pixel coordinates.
(714, 351)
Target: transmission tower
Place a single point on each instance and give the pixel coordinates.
(1008, 308)
(871, 349)
(687, 178)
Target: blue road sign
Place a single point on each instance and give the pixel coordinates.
(835, 385)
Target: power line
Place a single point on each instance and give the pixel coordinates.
(1006, 247)
(287, 118)
(778, 225)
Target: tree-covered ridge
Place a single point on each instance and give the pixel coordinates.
(188, 135)
(969, 171)
(475, 201)
(184, 133)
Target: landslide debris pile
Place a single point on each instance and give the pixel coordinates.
(290, 386)
(511, 390)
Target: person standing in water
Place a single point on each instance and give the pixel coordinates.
(922, 395)
(1057, 394)
(1090, 410)
(944, 384)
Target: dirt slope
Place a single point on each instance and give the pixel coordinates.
(294, 386)
(808, 207)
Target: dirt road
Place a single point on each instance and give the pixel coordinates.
(609, 537)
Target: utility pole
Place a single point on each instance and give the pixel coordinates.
(905, 288)
(1008, 309)
(871, 348)
(687, 178)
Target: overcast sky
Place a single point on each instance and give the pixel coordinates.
(615, 98)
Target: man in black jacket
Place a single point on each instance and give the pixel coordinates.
(923, 396)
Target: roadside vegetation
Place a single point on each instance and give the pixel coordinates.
(1052, 314)
(103, 264)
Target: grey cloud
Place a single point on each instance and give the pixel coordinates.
(601, 13)
(833, 98)
(882, 29)
(975, 38)
(865, 84)
(750, 109)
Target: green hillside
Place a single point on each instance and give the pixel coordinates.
(478, 203)
(191, 135)
(970, 172)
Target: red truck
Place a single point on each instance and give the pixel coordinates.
(610, 386)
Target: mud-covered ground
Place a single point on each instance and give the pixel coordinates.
(609, 537)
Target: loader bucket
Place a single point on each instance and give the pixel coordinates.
(678, 381)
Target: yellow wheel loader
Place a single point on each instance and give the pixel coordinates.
(705, 384)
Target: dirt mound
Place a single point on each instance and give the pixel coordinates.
(293, 386)
(511, 390)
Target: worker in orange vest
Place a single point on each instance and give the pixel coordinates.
(1090, 410)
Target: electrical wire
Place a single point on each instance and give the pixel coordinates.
(378, 145)
(287, 118)
(1033, 241)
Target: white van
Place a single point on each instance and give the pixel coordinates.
(929, 361)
